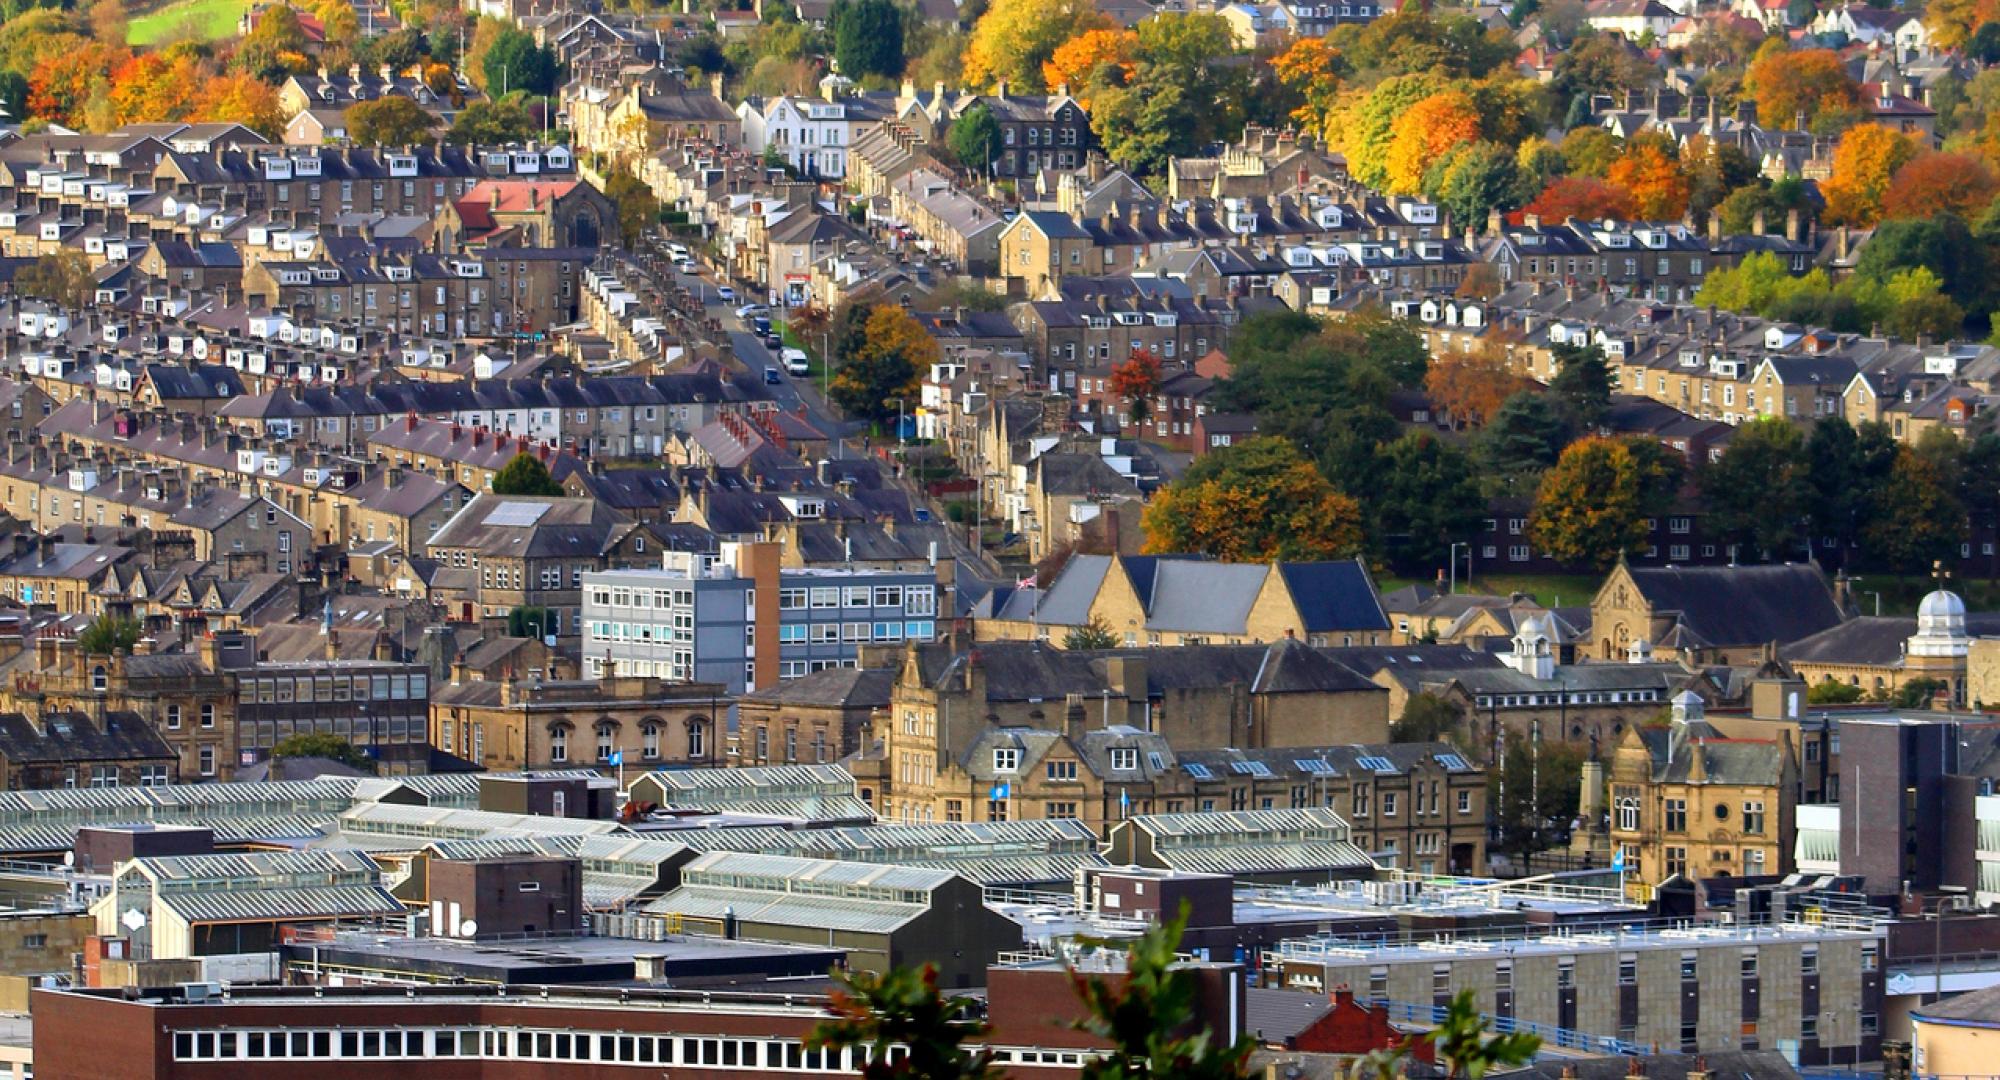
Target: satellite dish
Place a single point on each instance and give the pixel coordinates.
(468, 928)
(69, 858)
(134, 919)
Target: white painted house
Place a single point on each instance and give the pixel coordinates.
(813, 134)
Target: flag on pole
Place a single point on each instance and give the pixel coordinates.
(1000, 792)
(1618, 860)
(617, 757)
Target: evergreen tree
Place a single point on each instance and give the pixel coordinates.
(525, 475)
(868, 38)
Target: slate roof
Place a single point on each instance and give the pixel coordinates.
(74, 737)
(1741, 605)
(1726, 761)
(845, 687)
(1875, 640)
(1018, 671)
(569, 526)
(1978, 1008)
(1334, 596)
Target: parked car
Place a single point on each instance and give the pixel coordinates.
(771, 376)
(796, 361)
(725, 293)
(774, 340)
(760, 326)
(747, 310)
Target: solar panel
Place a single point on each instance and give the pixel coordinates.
(516, 515)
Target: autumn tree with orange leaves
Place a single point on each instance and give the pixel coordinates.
(1469, 387)
(1427, 132)
(1081, 62)
(1306, 69)
(62, 84)
(1582, 197)
(1932, 184)
(1257, 501)
(1654, 178)
(1136, 380)
(1863, 163)
(1786, 83)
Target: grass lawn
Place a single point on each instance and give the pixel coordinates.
(794, 340)
(1901, 594)
(1552, 590)
(217, 19)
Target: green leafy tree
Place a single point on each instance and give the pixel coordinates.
(1551, 788)
(400, 48)
(389, 121)
(529, 622)
(1323, 383)
(1524, 437)
(1828, 692)
(638, 209)
(1758, 493)
(1426, 717)
(1942, 244)
(492, 122)
(108, 634)
(1915, 518)
(868, 38)
(323, 744)
(1475, 180)
(1917, 693)
(1427, 497)
(514, 62)
(974, 139)
(1257, 500)
(14, 95)
(1095, 634)
(1178, 95)
(1582, 386)
(882, 362)
(525, 475)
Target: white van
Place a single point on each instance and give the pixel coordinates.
(795, 361)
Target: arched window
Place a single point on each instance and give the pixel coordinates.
(697, 728)
(558, 743)
(649, 734)
(607, 738)
(98, 677)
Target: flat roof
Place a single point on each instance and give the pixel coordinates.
(570, 960)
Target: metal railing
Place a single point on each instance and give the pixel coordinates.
(1557, 1037)
(1606, 934)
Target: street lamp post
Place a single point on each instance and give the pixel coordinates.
(1452, 558)
(1961, 902)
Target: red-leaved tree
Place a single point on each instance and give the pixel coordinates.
(1137, 380)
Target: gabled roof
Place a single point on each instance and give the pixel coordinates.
(1741, 605)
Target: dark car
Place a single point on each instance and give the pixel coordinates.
(761, 326)
(773, 340)
(771, 376)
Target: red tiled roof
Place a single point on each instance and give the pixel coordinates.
(515, 196)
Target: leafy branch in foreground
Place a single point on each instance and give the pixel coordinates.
(903, 1007)
(1460, 1042)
